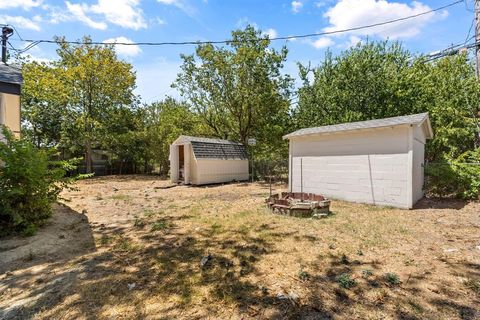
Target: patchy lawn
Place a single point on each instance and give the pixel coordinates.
(125, 248)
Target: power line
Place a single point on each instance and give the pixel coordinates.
(309, 35)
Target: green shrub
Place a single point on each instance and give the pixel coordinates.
(29, 184)
(456, 178)
(345, 281)
(392, 278)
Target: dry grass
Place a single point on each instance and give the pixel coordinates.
(143, 246)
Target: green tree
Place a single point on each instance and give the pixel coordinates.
(71, 100)
(165, 121)
(239, 91)
(382, 79)
(44, 101)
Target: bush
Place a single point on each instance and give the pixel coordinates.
(29, 184)
(345, 281)
(456, 178)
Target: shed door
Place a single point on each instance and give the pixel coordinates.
(187, 157)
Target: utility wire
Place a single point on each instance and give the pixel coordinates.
(251, 40)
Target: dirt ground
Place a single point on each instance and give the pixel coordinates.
(128, 248)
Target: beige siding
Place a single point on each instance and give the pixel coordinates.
(218, 171)
(10, 112)
(370, 166)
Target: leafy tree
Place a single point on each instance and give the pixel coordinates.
(44, 101)
(70, 100)
(239, 92)
(382, 79)
(165, 121)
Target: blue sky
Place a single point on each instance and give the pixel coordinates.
(191, 20)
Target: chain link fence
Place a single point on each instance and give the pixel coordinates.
(269, 170)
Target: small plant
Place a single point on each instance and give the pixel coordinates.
(346, 281)
(473, 284)
(139, 223)
(360, 252)
(303, 275)
(392, 278)
(29, 230)
(344, 259)
(159, 225)
(367, 273)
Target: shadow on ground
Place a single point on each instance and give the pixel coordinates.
(65, 236)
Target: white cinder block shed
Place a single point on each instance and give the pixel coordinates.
(377, 161)
(196, 160)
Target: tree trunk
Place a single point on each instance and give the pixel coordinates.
(88, 156)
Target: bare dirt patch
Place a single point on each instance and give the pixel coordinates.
(141, 251)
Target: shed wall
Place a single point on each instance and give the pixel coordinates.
(369, 166)
(218, 171)
(418, 168)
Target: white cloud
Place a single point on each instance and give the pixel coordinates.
(124, 50)
(79, 12)
(182, 5)
(296, 6)
(322, 42)
(271, 33)
(353, 13)
(353, 41)
(22, 22)
(125, 13)
(24, 4)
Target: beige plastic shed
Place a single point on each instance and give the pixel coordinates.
(378, 161)
(197, 160)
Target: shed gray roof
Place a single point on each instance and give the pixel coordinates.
(415, 119)
(9, 74)
(207, 148)
(207, 140)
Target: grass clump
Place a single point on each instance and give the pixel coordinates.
(473, 284)
(367, 273)
(159, 225)
(392, 278)
(346, 281)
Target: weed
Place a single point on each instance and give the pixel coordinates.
(150, 213)
(367, 273)
(139, 223)
(344, 259)
(304, 275)
(216, 228)
(473, 284)
(104, 240)
(160, 225)
(120, 197)
(125, 245)
(30, 256)
(345, 281)
(392, 278)
(360, 252)
(30, 230)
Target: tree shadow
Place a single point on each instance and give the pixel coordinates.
(66, 235)
(438, 203)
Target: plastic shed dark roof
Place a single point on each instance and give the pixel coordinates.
(9, 74)
(208, 148)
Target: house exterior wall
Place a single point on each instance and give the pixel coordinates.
(218, 171)
(10, 112)
(368, 166)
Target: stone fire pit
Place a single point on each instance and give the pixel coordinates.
(299, 204)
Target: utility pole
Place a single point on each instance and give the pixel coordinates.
(477, 35)
(6, 33)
